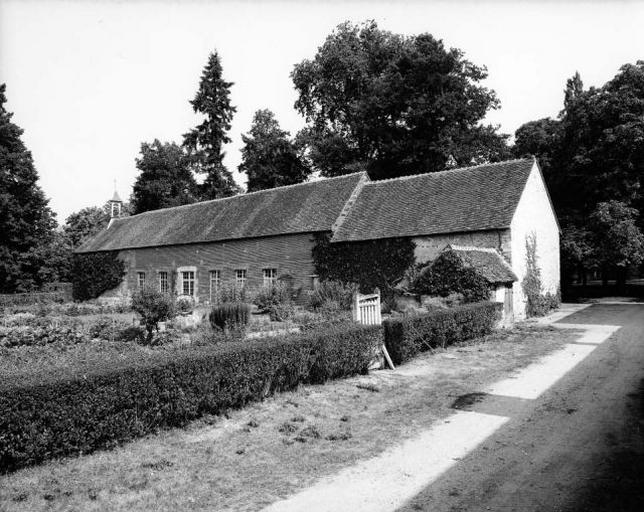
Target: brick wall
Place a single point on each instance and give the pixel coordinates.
(289, 254)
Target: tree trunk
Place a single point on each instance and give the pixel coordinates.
(621, 279)
(604, 277)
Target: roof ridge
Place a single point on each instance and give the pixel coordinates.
(245, 194)
(445, 171)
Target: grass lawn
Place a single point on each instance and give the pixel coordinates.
(271, 449)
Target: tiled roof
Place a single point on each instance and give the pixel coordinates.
(302, 208)
(468, 199)
(487, 262)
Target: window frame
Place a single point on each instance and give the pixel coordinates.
(140, 279)
(241, 276)
(164, 279)
(217, 281)
(270, 280)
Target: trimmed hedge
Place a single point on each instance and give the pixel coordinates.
(71, 411)
(407, 336)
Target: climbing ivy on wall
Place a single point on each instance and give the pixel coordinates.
(96, 273)
(537, 303)
(370, 264)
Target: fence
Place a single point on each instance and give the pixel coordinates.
(366, 308)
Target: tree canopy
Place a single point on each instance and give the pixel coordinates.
(592, 156)
(166, 177)
(206, 140)
(26, 221)
(393, 105)
(269, 157)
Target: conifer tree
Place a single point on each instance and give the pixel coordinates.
(206, 140)
(26, 221)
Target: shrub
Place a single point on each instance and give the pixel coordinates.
(106, 328)
(447, 275)
(233, 315)
(407, 336)
(184, 305)
(69, 411)
(96, 273)
(230, 294)
(332, 294)
(154, 307)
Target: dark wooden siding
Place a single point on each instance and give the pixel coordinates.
(289, 254)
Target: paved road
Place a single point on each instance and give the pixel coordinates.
(578, 447)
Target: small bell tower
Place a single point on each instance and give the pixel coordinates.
(115, 206)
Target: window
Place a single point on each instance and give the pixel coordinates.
(188, 283)
(163, 282)
(215, 282)
(270, 277)
(140, 276)
(240, 278)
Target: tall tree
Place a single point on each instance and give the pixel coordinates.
(269, 157)
(26, 221)
(166, 177)
(85, 223)
(393, 105)
(618, 243)
(207, 139)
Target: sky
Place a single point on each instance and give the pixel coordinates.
(89, 81)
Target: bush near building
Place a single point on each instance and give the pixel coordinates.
(405, 337)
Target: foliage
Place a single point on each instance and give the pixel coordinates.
(166, 177)
(371, 264)
(537, 303)
(616, 238)
(231, 293)
(231, 315)
(153, 307)
(33, 330)
(95, 273)
(205, 142)
(448, 275)
(594, 151)
(577, 251)
(65, 411)
(329, 293)
(405, 337)
(393, 105)
(277, 300)
(269, 157)
(85, 223)
(26, 221)
(184, 305)
(268, 296)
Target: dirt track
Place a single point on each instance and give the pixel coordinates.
(578, 447)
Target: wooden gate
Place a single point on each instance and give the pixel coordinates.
(366, 308)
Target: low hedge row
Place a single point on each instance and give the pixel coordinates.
(406, 337)
(71, 411)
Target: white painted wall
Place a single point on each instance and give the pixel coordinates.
(534, 214)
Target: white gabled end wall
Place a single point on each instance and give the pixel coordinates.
(534, 215)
